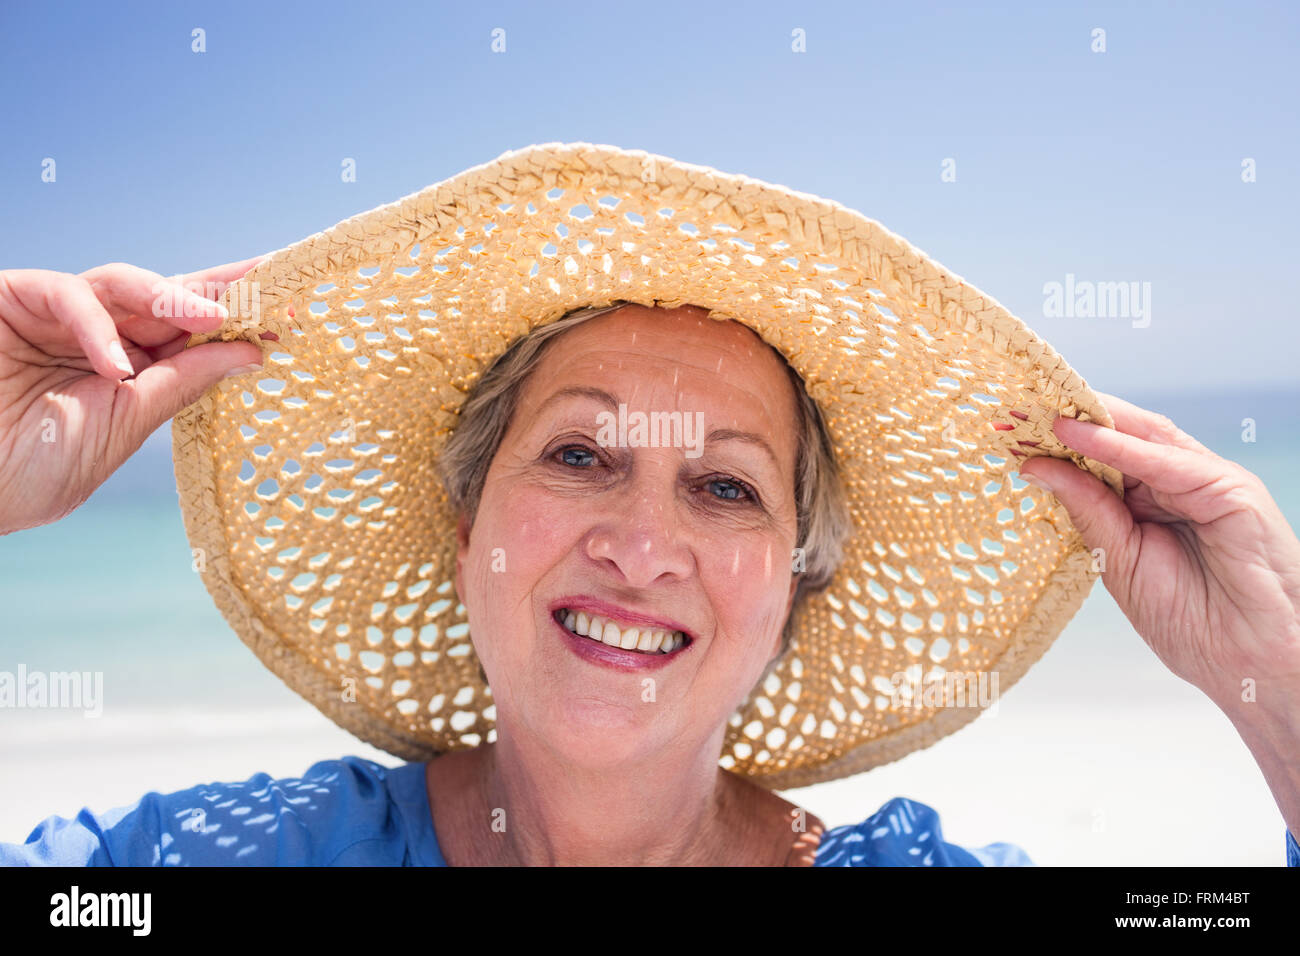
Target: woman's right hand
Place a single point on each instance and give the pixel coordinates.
(67, 420)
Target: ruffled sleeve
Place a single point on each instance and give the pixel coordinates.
(907, 833)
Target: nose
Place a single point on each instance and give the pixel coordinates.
(636, 532)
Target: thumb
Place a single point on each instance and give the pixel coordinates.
(172, 384)
(1101, 518)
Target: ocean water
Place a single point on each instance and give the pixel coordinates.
(1098, 755)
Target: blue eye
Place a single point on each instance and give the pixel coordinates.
(721, 488)
(734, 489)
(568, 454)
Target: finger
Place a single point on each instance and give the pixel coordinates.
(73, 304)
(172, 384)
(1147, 425)
(1101, 518)
(147, 295)
(222, 274)
(169, 348)
(1167, 468)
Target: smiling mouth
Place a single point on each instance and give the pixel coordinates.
(643, 640)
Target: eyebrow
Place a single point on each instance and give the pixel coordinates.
(605, 398)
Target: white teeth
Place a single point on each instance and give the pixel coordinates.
(646, 639)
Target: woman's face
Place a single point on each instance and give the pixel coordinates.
(579, 520)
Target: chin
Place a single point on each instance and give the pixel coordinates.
(594, 732)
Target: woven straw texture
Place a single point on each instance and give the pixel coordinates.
(326, 541)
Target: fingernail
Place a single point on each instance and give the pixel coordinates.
(116, 353)
(241, 370)
(1038, 483)
(1073, 422)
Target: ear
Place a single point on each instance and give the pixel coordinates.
(462, 545)
(789, 599)
(789, 604)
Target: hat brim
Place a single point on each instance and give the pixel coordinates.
(326, 541)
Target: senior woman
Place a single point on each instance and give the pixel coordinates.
(632, 602)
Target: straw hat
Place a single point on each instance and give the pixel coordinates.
(323, 535)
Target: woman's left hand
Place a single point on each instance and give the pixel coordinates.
(1197, 555)
(1201, 561)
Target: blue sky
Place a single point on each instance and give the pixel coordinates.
(1115, 166)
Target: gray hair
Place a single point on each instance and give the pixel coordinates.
(820, 502)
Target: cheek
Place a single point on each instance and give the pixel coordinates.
(520, 535)
(526, 531)
(747, 581)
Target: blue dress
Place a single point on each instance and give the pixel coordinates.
(355, 812)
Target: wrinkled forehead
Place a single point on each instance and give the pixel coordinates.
(674, 360)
